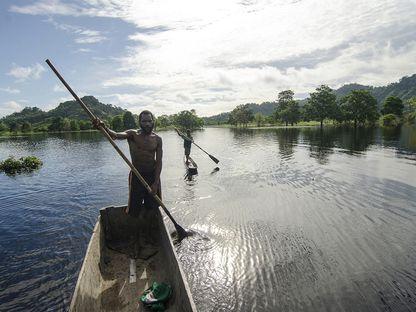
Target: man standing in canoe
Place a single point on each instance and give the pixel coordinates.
(146, 155)
(187, 143)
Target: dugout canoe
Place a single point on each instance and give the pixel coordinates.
(191, 166)
(118, 266)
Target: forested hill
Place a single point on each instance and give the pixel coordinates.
(68, 109)
(71, 109)
(405, 88)
(266, 108)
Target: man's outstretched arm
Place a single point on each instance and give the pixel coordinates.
(114, 135)
(119, 135)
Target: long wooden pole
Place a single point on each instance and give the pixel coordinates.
(181, 231)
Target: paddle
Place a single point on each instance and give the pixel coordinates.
(210, 156)
(181, 231)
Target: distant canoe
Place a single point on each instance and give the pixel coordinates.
(191, 166)
(117, 269)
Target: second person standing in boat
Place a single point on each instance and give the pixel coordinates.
(187, 143)
(146, 155)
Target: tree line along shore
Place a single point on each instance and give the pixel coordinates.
(352, 104)
(358, 108)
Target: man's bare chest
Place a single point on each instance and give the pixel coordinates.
(145, 143)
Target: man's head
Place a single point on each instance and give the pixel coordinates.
(146, 121)
(188, 132)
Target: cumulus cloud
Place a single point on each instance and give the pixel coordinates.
(10, 90)
(10, 107)
(22, 73)
(217, 54)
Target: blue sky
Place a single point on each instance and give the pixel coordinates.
(210, 56)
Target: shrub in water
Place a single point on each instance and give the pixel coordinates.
(25, 164)
(389, 120)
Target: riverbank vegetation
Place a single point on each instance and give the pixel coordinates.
(12, 165)
(358, 108)
(352, 104)
(69, 117)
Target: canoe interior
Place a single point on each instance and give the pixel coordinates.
(124, 257)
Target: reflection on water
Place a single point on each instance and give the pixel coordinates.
(296, 219)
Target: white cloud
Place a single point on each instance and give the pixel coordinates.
(47, 7)
(9, 107)
(213, 55)
(12, 105)
(209, 48)
(83, 50)
(84, 35)
(58, 88)
(24, 73)
(10, 90)
(90, 39)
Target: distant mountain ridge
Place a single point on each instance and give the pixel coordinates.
(68, 109)
(405, 89)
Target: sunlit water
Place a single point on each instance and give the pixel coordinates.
(294, 220)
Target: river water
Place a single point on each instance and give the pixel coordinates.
(296, 219)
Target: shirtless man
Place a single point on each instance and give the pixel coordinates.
(187, 143)
(146, 155)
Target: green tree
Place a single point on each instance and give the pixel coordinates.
(242, 114)
(410, 110)
(117, 123)
(41, 128)
(26, 127)
(389, 120)
(284, 98)
(270, 119)
(74, 125)
(85, 125)
(410, 105)
(322, 103)
(359, 106)
(292, 112)
(232, 120)
(259, 119)
(3, 127)
(306, 112)
(163, 121)
(187, 120)
(66, 124)
(393, 105)
(15, 127)
(128, 121)
(338, 114)
(57, 124)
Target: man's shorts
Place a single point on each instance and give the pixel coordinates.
(139, 197)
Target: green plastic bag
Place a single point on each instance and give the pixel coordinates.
(155, 296)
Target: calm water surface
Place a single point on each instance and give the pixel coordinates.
(295, 220)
